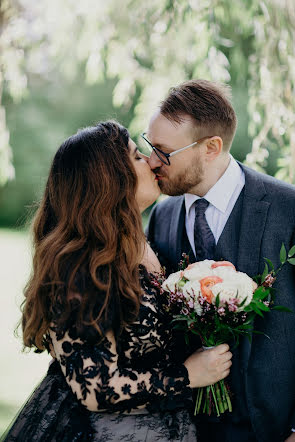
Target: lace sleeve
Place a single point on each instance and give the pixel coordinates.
(96, 378)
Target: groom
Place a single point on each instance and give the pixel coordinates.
(222, 210)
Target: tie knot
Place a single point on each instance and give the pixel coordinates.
(201, 205)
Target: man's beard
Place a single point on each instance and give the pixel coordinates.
(183, 182)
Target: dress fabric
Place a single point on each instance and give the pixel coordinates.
(132, 388)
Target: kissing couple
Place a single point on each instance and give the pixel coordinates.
(119, 370)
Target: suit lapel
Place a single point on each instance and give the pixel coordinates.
(253, 220)
(227, 245)
(254, 215)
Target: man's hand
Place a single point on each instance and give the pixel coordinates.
(209, 366)
(291, 438)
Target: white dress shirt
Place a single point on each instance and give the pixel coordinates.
(221, 197)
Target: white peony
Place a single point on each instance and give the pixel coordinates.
(198, 270)
(224, 272)
(171, 283)
(237, 286)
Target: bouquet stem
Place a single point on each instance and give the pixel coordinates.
(213, 399)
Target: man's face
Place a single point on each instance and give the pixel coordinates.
(186, 170)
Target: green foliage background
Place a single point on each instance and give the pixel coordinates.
(38, 125)
(65, 65)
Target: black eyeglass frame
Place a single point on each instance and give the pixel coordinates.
(168, 155)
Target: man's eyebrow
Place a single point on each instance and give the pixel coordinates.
(161, 146)
(157, 145)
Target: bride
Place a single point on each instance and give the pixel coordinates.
(116, 373)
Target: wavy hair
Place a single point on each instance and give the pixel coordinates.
(87, 237)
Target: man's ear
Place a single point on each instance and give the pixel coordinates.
(214, 147)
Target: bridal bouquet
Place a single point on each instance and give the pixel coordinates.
(216, 302)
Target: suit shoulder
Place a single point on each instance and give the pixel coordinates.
(273, 186)
(168, 204)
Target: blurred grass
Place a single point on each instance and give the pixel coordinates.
(19, 372)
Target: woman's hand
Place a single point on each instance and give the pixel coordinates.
(206, 367)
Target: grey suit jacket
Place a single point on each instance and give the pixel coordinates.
(268, 220)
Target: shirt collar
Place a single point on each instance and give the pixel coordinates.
(220, 194)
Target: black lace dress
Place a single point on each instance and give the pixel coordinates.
(134, 389)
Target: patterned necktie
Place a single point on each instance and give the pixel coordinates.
(203, 236)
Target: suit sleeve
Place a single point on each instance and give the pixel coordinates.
(152, 230)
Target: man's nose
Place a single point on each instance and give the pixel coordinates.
(154, 161)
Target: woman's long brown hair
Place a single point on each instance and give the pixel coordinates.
(88, 223)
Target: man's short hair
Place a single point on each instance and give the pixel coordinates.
(208, 105)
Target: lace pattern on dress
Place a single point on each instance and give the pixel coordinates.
(136, 372)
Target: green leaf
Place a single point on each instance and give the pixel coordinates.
(265, 272)
(195, 332)
(243, 302)
(281, 308)
(291, 261)
(283, 254)
(182, 282)
(291, 251)
(263, 294)
(271, 266)
(245, 327)
(256, 310)
(217, 300)
(259, 293)
(263, 307)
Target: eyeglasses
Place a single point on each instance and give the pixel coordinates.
(165, 157)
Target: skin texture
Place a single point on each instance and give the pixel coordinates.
(206, 367)
(147, 190)
(194, 170)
